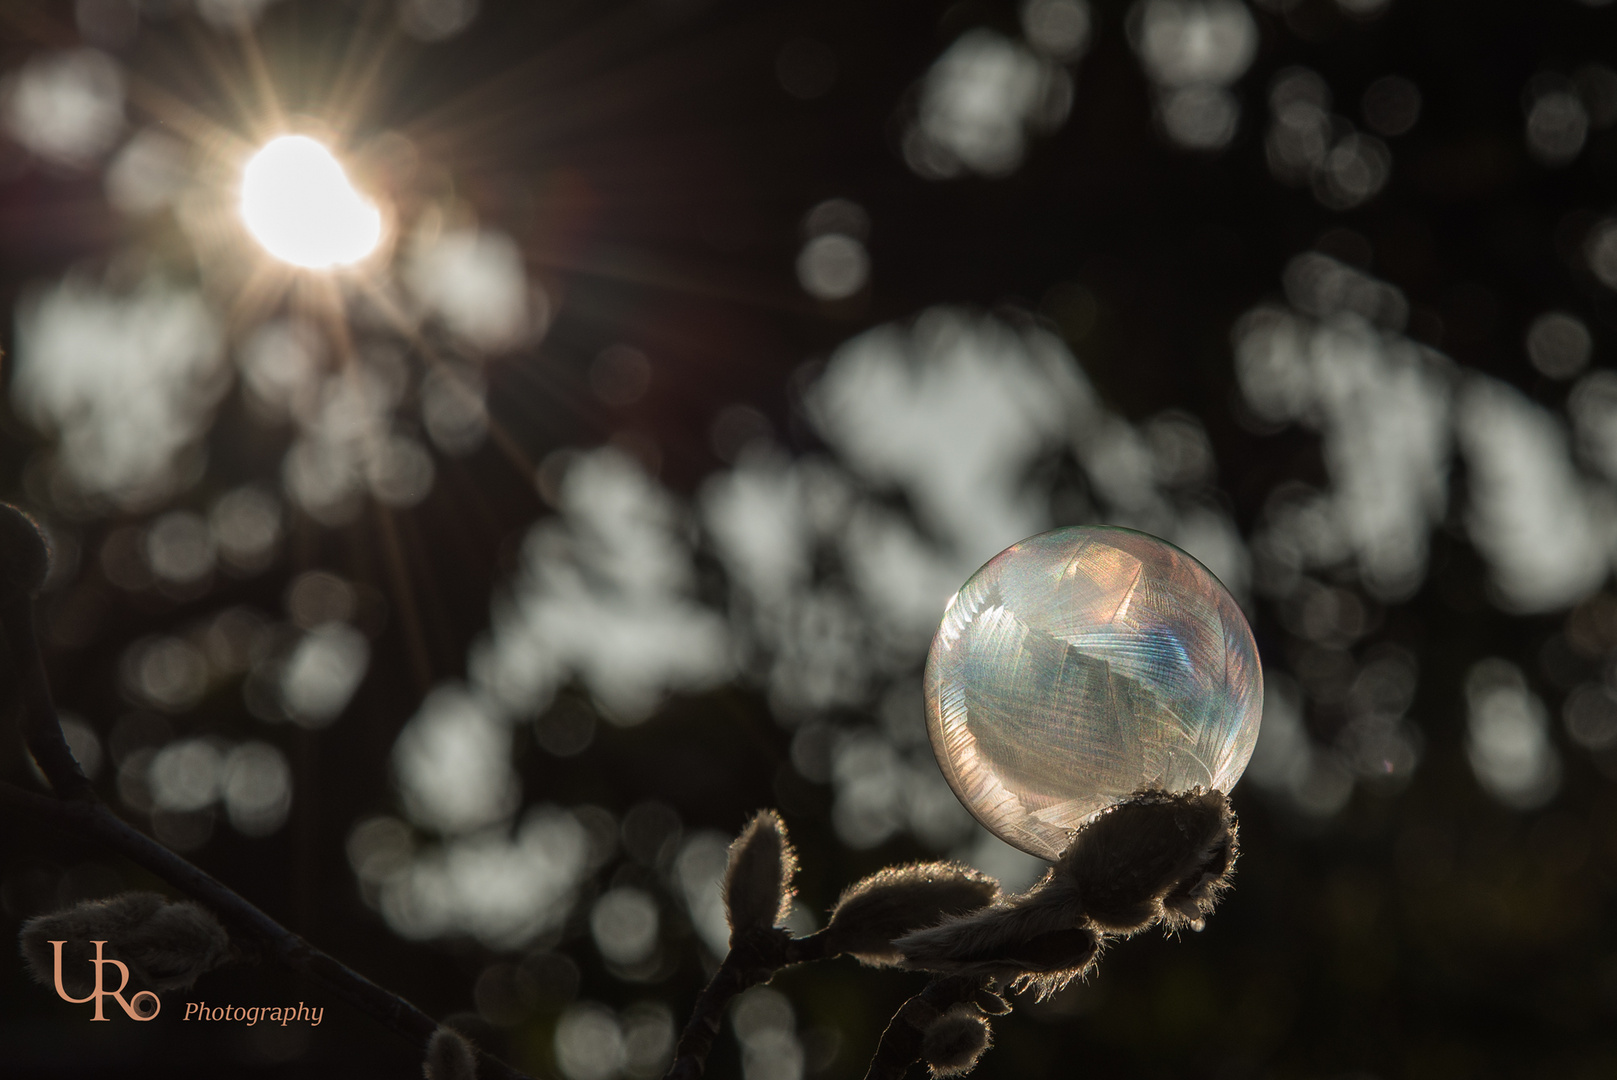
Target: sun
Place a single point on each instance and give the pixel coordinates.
(298, 203)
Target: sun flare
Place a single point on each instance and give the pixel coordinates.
(300, 205)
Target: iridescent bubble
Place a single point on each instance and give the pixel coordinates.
(1079, 666)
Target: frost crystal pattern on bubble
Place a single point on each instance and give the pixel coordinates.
(1077, 667)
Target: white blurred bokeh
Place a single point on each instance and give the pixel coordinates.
(322, 673)
(502, 889)
(475, 282)
(1507, 736)
(1308, 145)
(604, 594)
(978, 104)
(765, 1025)
(126, 378)
(66, 107)
(453, 763)
(1060, 29)
(1193, 52)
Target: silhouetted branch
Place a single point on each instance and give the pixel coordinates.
(753, 959)
(900, 1045)
(24, 564)
(75, 810)
(41, 730)
(92, 820)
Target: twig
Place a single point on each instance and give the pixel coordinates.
(75, 809)
(900, 1045)
(752, 960)
(42, 730)
(94, 820)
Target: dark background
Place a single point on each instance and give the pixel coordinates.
(656, 174)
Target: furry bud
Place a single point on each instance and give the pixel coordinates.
(899, 899)
(1051, 961)
(25, 553)
(1129, 858)
(1188, 904)
(166, 946)
(954, 1042)
(1056, 952)
(1038, 938)
(449, 1057)
(758, 879)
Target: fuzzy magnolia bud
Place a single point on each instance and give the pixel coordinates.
(1051, 961)
(1057, 952)
(895, 901)
(1188, 904)
(953, 1043)
(25, 553)
(1125, 862)
(449, 1057)
(1036, 939)
(166, 946)
(758, 879)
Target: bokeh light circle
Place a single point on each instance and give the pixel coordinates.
(300, 205)
(1079, 666)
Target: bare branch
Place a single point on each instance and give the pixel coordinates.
(41, 729)
(92, 820)
(901, 1044)
(25, 562)
(754, 957)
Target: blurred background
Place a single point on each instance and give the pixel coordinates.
(457, 606)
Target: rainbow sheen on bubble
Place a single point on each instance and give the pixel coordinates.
(1079, 666)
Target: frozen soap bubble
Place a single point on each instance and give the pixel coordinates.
(1079, 666)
